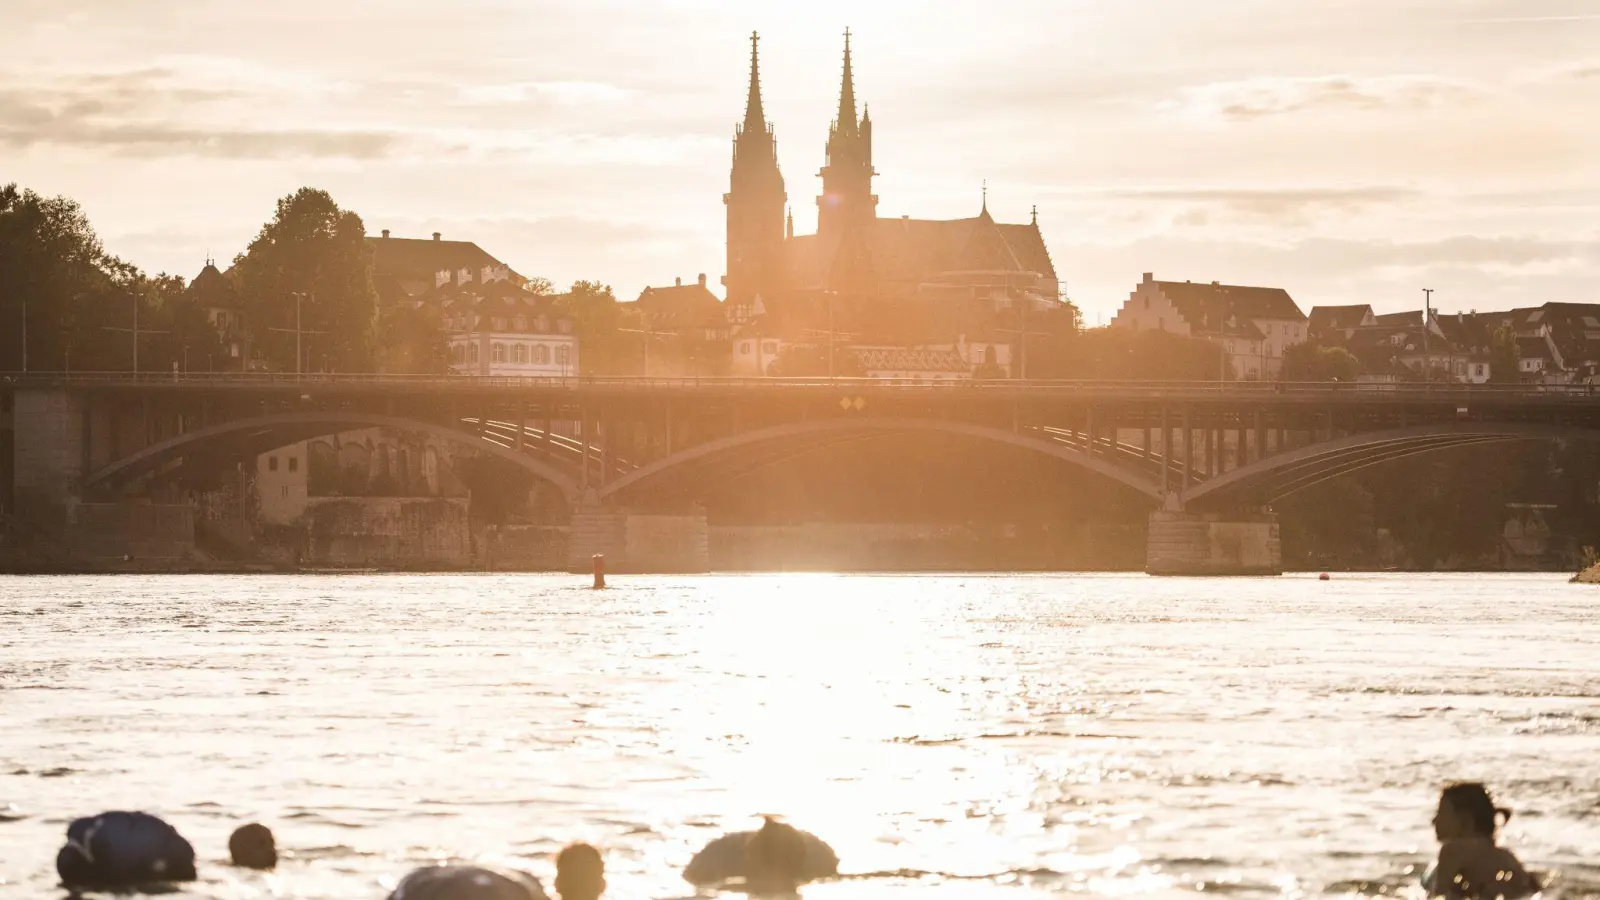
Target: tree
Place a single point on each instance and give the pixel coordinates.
(1122, 354)
(540, 285)
(811, 361)
(55, 286)
(413, 341)
(311, 247)
(1505, 358)
(593, 308)
(1310, 362)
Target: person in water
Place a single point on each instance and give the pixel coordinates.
(777, 859)
(1471, 866)
(580, 875)
(252, 847)
(118, 850)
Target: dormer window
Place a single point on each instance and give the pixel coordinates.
(520, 323)
(499, 323)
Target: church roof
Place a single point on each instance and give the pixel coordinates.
(913, 251)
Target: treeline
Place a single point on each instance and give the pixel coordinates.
(66, 304)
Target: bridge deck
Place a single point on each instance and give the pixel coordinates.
(1322, 394)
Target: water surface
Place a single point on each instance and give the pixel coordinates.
(951, 736)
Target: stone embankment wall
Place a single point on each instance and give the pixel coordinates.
(140, 531)
(387, 531)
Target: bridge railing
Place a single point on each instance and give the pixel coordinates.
(1043, 387)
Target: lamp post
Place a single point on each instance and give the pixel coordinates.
(135, 331)
(298, 332)
(1427, 362)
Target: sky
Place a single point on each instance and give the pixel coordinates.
(1350, 151)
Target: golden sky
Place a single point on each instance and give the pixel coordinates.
(1347, 150)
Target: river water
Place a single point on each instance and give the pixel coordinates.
(951, 736)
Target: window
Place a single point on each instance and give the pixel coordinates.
(564, 326)
(564, 356)
(520, 323)
(744, 348)
(457, 353)
(499, 323)
(272, 464)
(472, 353)
(541, 354)
(294, 463)
(498, 353)
(519, 353)
(769, 347)
(542, 325)
(286, 492)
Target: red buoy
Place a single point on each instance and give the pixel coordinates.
(1324, 577)
(599, 571)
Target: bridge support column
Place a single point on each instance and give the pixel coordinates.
(638, 542)
(48, 444)
(1180, 543)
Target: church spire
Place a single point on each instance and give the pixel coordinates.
(847, 92)
(847, 173)
(755, 118)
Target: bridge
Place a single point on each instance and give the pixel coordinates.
(1208, 458)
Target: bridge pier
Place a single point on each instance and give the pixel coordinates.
(638, 542)
(49, 439)
(1181, 543)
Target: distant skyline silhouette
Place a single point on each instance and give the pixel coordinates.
(1350, 152)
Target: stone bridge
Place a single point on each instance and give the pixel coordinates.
(1209, 458)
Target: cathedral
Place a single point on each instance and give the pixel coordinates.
(889, 281)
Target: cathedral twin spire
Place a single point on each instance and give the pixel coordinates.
(756, 200)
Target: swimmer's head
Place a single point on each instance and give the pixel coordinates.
(775, 858)
(252, 847)
(1466, 810)
(580, 873)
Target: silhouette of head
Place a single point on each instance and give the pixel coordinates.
(775, 858)
(252, 847)
(1466, 810)
(580, 873)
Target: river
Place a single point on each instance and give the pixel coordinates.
(952, 736)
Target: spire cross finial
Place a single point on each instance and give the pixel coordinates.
(986, 195)
(1036, 214)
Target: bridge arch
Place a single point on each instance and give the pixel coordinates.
(813, 435)
(1286, 473)
(281, 428)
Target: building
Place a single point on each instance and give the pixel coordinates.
(1328, 325)
(683, 329)
(214, 293)
(1255, 326)
(497, 328)
(783, 288)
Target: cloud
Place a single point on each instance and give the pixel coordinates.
(1279, 204)
(153, 111)
(560, 93)
(1259, 98)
